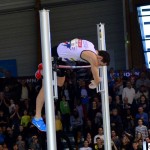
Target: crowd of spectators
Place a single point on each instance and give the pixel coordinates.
(78, 110)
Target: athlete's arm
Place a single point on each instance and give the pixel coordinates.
(92, 59)
(95, 72)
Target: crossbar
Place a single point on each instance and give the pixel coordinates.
(73, 67)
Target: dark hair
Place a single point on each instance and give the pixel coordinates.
(143, 96)
(98, 138)
(105, 55)
(140, 119)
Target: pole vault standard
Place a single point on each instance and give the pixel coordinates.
(103, 89)
(48, 86)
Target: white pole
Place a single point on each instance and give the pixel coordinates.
(104, 95)
(148, 146)
(125, 34)
(144, 145)
(47, 71)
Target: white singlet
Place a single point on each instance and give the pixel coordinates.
(72, 50)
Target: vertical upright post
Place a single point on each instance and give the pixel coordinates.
(55, 84)
(144, 146)
(104, 85)
(148, 146)
(47, 72)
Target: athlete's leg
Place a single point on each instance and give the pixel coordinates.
(39, 103)
(37, 120)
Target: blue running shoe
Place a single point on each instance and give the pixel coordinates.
(39, 123)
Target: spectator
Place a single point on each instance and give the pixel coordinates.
(88, 127)
(111, 81)
(135, 146)
(147, 140)
(98, 101)
(21, 143)
(128, 92)
(65, 111)
(32, 95)
(115, 139)
(3, 103)
(133, 79)
(111, 103)
(84, 97)
(123, 78)
(128, 121)
(116, 122)
(1, 147)
(80, 109)
(148, 132)
(2, 136)
(143, 103)
(92, 114)
(15, 118)
(3, 119)
(100, 135)
(99, 145)
(66, 91)
(76, 125)
(35, 143)
(89, 139)
(118, 104)
(118, 87)
(7, 92)
(143, 80)
(26, 106)
(141, 129)
(126, 104)
(10, 140)
(5, 147)
(142, 115)
(25, 119)
(138, 137)
(142, 91)
(86, 146)
(15, 147)
(22, 131)
(140, 144)
(24, 91)
(98, 120)
(11, 106)
(125, 142)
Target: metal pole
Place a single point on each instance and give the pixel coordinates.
(104, 95)
(144, 145)
(125, 33)
(47, 72)
(55, 84)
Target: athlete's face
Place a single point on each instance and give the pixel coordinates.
(100, 61)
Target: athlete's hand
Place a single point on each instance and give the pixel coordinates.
(92, 85)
